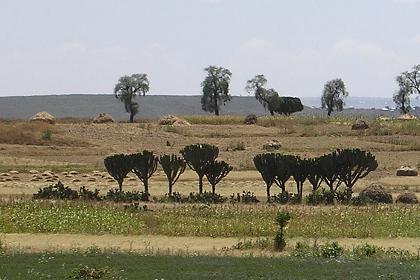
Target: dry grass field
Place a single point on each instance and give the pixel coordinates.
(80, 146)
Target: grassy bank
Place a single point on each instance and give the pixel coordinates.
(126, 266)
(213, 221)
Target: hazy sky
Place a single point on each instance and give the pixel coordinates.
(84, 46)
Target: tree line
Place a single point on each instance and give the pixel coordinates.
(216, 92)
(339, 168)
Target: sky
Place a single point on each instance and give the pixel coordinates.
(84, 46)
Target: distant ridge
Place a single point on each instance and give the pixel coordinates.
(152, 106)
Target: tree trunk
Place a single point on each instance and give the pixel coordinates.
(329, 112)
(216, 107)
(170, 189)
(213, 189)
(200, 184)
(120, 185)
(131, 117)
(146, 187)
(268, 194)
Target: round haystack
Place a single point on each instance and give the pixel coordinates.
(406, 117)
(360, 125)
(172, 120)
(44, 117)
(103, 118)
(407, 171)
(376, 193)
(251, 119)
(407, 198)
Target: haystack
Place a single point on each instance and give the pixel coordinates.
(103, 118)
(407, 117)
(43, 117)
(172, 120)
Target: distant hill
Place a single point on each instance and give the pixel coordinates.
(90, 105)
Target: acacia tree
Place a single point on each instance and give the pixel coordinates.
(127, 88)
(215, 89)
(411, 79)
(270, 98)
(402, 96)
(333, 96)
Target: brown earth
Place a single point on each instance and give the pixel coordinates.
(91, 143)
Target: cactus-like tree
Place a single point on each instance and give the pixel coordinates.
(118, 166)
(173, 166)
(329, 171)
(144, 165)
(266, 166)
(198, 158)
(300, 174)
(215, 172)
(314, 176)
(284, 170)
(354, 164)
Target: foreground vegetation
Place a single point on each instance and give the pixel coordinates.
(129, 266)
(214, 221)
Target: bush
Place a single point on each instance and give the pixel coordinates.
(46, 134)
(246, 197)
(126, 197)
(57, 191)
(366, 251)
(331, 250)
(86, 272)
(236, 146)
(281, 198)
(206, 198)
(376, 193)
(315, 198)
(282, 219)
(407, 198)
(86, 194)
(251, 119)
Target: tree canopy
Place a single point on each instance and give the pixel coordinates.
(127, 88)
(270, 98)
(402, 96)
(215, 89)
(411, 79)
(333, 97)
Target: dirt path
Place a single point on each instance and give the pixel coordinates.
(163, 244)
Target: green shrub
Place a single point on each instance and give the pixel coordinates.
(282, 219)
(246, 197)
(86, 194)
(331, 250)
(206, 198)
(46, 134)
(57, 191)
(126, 197)
(86, 272)
(366, 250)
